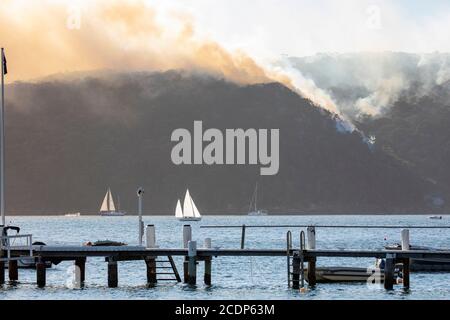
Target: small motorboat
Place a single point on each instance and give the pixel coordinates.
(73, 215)
(436, 217)
(349, 274)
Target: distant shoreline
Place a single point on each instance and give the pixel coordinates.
(243, 215)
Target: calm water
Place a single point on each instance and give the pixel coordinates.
(233, 277)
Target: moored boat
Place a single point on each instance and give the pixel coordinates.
(348, 274)
(108, 207)
(253, 207)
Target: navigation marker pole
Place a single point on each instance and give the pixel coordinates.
(2, 139)
(140, 194)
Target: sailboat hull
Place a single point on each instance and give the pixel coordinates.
(112, 213)
(190, 219)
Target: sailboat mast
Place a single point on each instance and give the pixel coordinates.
(256, 195)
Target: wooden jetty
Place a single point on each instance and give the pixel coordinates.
(306, 253)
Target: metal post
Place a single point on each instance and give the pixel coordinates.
(140, 194)
(2, 142)
(243, 237)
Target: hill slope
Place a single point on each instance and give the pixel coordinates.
(67, 140)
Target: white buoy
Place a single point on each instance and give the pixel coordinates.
(405, 239)
(151, 236)
(187, 235)
(207, 243)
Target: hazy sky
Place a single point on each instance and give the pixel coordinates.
(306, 27)
(49, 36)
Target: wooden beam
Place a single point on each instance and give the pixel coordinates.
(113, 276)
(296, 271)
(192, 263)
(389, 272)
(80, 264)
(151, 271)
(406, 269)
(13, 270)
(41, 273)
(2, 272)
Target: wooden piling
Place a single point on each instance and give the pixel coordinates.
(80, 264)
(13, 270)
(406, 268)
(406, 261)
(2, 272)
(208, 262)
(113, 277)
(243, 237)
(192, 262)
(296, 271)
(187, 236)
(41, 276)
(150, 236)
(151, 271)
(311, 240)
(389, 272)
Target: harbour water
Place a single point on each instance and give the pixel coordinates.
(232, 277)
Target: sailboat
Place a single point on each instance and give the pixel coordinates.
(253, 209)
(108, 208)
(189, 211)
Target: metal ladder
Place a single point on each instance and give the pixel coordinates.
(297, 253)
(164, 266)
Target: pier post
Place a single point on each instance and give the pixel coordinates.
(311, 239)
(113, 278)
(151, 271)
(150, 236)
(80, 263)
(2, 272)
(243, 237)
(13, 270)
(40, 273)
(296, 271)
(406, 261)
(208, 262)
(389, 271)
(192, 263)
(187, 236)
(2, 263)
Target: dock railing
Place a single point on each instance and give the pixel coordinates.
(15, 242)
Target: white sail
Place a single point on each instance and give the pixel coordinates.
(112, 207)
(196, 212)
(178, 210)
(108, 202)
(104, 206)
(188, 209)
